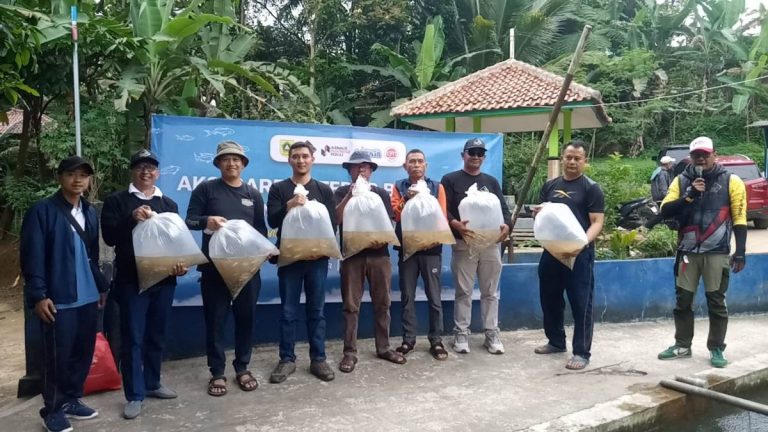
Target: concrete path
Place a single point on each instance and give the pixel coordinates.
(476, 391)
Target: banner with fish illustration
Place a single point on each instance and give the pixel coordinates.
(186, 147)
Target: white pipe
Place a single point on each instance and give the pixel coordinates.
(512, 43)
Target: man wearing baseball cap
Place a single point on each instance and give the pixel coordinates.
(660, 180)
(213, 203)
(709, 203)
(143, 317)
(486, 266)
(59, 255)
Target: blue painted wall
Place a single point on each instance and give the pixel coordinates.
(630, 290)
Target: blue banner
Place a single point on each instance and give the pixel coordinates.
(186, 147)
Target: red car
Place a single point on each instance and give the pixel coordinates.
(757, 187)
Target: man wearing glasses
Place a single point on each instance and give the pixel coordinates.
(709, 203)
(486, 265)
(143, 317)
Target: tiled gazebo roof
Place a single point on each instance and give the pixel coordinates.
(508, 88)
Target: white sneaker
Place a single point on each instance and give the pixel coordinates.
(461, 343)
(493, 343)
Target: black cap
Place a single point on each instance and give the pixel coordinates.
(144, 155)
(474, 143)
(359, 157)
(72, 163)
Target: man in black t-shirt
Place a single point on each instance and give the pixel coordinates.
(485, 265)
(309, 274)
(213, 203)
(143, 316)
(585, 199)
(371, 264)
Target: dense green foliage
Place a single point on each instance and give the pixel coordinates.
(670, 70)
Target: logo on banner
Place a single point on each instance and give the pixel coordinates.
(335, 151)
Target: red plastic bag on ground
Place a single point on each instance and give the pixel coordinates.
(103, 375)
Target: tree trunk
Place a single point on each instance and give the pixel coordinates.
(30, 113)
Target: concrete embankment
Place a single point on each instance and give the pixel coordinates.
(519, 390)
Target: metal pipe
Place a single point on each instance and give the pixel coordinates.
(720, 397)
(698, 382)
(76, 81)
(552, 123)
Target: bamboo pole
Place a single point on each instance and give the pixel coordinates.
(552, 123)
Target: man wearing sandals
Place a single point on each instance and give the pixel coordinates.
(486, 266)
(426, 263)
(212, 203)
(585, 199)
(309, 274)
(143, 316)
(371, 264)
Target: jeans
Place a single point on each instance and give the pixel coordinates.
(217, 303)
(68, 345)
(143, 323)
(311, 275)
(428, 267)
(579, 284)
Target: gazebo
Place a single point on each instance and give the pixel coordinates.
(510, 96)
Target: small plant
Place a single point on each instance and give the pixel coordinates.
(620, 245)
(658, 243)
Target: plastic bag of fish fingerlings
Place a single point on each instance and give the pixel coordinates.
(307, 233)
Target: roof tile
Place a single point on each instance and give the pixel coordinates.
(506, 85)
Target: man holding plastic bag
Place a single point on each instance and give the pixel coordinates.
(303, 206)
(143, 316)
(372, 263)
(211, 205)
(427, 259)
(483, 264)
(586, 201)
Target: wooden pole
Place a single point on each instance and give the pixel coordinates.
(552, 123)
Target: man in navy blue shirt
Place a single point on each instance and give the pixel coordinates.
(59, 260)
(143, 316)
(585, 199)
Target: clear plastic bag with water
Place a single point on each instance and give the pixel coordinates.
(423, 222)
(559, 232)
(161, 242)
(483, 211)
(238, 251)
(366, 221)
(307, 233)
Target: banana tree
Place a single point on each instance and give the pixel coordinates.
(167, 76)
(750, 72)
(430, 70)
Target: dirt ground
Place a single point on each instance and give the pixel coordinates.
(12, 316)
(11, 321)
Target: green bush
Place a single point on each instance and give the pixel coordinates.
(621, 180)
(658, 243)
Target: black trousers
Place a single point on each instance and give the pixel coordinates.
(579, 285)
(217, 303)
(68, 345)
